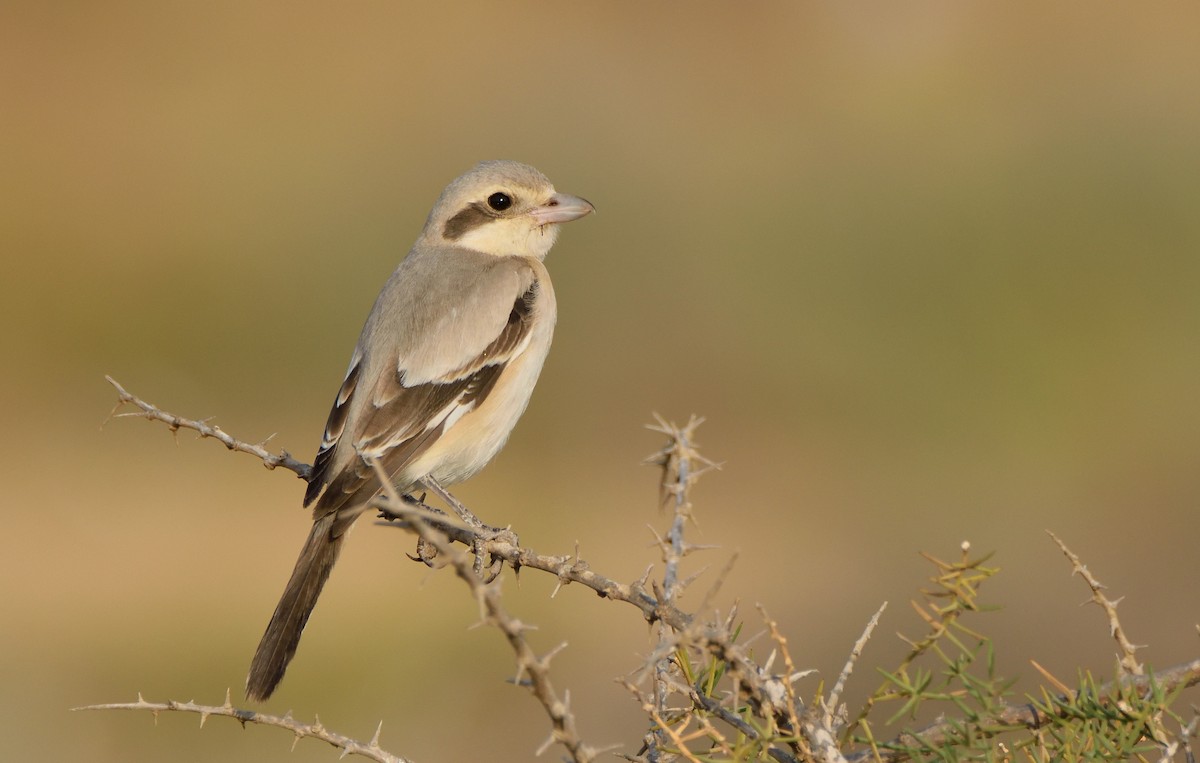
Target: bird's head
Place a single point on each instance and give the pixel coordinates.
(502, 208)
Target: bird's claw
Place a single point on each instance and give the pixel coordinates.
(426, 553)
(494, 564)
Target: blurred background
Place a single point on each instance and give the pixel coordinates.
(931, 273)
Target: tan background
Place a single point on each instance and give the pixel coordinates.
(931, 273)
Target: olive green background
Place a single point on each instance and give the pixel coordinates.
(930, 271)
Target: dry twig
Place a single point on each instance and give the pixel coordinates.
(568, 569)
(529, 663)
(834, 698)
(175, 423)
(681, 465)
(1129, 663)
(768, 696)
(347, 745)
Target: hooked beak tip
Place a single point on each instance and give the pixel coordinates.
(562, 208)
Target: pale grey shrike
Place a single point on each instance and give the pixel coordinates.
(443, 369)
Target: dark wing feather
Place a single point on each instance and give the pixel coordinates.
(334, 426)
(401, 422)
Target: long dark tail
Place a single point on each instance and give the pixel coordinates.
(279, 643)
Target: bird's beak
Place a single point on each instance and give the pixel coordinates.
(561, 208)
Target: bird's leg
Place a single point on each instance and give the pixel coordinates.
(468, 518)
(484, 532)
(435, 487)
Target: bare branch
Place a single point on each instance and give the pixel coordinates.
(823, 741)
(529, 663)
(567, 568)
(855, 653)
(175, 423)
(1129, 663)
(502, 548)
(681, 465)
(675, 459)
(347, 745)
(789, 732)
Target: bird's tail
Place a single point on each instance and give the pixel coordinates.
(279, 643)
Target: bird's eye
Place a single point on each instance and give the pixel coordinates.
(499, 201)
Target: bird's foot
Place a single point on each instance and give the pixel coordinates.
(426, 553)
(486, 565)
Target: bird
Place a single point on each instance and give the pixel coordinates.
(444, 366)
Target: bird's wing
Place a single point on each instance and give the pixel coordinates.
(423, 362)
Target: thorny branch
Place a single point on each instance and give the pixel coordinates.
(643, 594)
(347, 745)
(1027, 716)
(175, 423)
(831, 702)
(1129, 663)
(438, 531)
(529, 663)
(759, 690)
(568, 569)
(681, 466)
(1132, 680)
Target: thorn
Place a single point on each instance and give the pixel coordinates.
(641, 582)
(733, 613)
(378, 731)
(683, 584)
(545, 660)
(546, 745)
(658, 539)
(522, 669)
(766, 668)
(112, 414)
